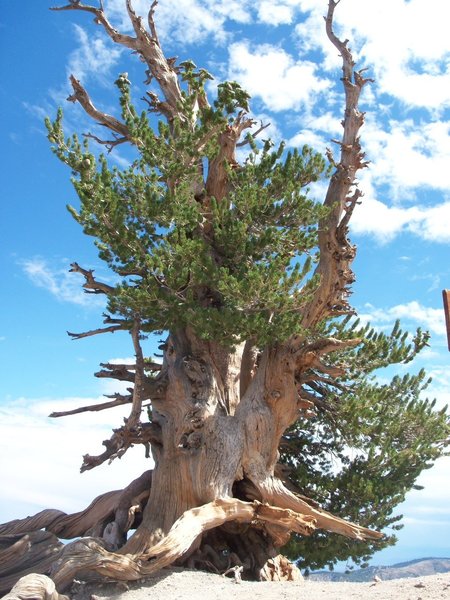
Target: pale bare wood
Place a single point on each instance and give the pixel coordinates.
(91, 283)
(21, 554)
(216, 426)
(81, 95)
(92, 407)
(336, 253)
(88, 555)
(34, 587)
(272, 490)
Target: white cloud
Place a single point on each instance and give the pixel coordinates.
(42, 456)
(408, 52)
(65, 286)
(185, 21)
(375, 218)
(275, 13)
(426, 317)
(94, 57)
(408, 154)
(272, 74)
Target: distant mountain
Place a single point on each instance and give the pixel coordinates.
(412, 568)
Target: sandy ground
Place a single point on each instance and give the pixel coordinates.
(177, 584)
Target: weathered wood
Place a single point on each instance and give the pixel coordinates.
(218, 412)
(21, 554)
(34, 587)
(87, 555)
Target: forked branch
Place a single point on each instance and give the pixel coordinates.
(81, 95)
(91, 285)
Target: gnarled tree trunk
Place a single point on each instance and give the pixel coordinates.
(214, 498)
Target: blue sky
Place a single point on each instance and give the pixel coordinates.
(278, 51)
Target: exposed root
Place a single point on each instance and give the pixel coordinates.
(280, 568)
(23, 554)
(118, 506)
(34, 587)
(273, 491)
(88, 555)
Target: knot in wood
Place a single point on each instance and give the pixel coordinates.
(194, 440)
(275, 394)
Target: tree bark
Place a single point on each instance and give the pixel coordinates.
(214, 498)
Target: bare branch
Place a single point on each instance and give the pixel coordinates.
(109, 144)
(100, 19)
(93, 407)
(151, 22)
(112, 329)
(81, 95)
(92, 284)
(336, 253)
(122, 439)
(327, 345)
(253, 135)
(139, 377)
(119, 372)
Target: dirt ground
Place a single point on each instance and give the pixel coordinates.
(178, 584)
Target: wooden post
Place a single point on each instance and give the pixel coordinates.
(446, 297)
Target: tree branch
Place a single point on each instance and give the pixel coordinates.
(109, 144)
(122, 439)
(97, 287)
(120, 400)
(139, 377)
(100, 19)
(81, 95)
(112, 329)
(336, 253)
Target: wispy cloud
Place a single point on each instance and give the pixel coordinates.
(426, 317)
(94, 57)
(64, 286)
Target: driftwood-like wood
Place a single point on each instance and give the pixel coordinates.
(87, 554)
(34, 587)
(215, 498)
(22, 554)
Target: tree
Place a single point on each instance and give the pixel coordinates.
(250, 278)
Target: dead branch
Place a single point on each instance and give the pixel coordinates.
(336, 253)
(81, 95)
(100, 19)
(122, 439)
(119, 401)
(148, 47)
(139, 377)
(109, 144)
(253, 135)
(97, 287)
(119, 372)
(112, 329)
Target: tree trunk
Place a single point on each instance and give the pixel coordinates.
(214, 499)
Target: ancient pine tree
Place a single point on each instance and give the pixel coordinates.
(248, 280)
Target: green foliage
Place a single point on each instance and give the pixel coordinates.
(361, 453)
(240, 267)
(231, 269)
